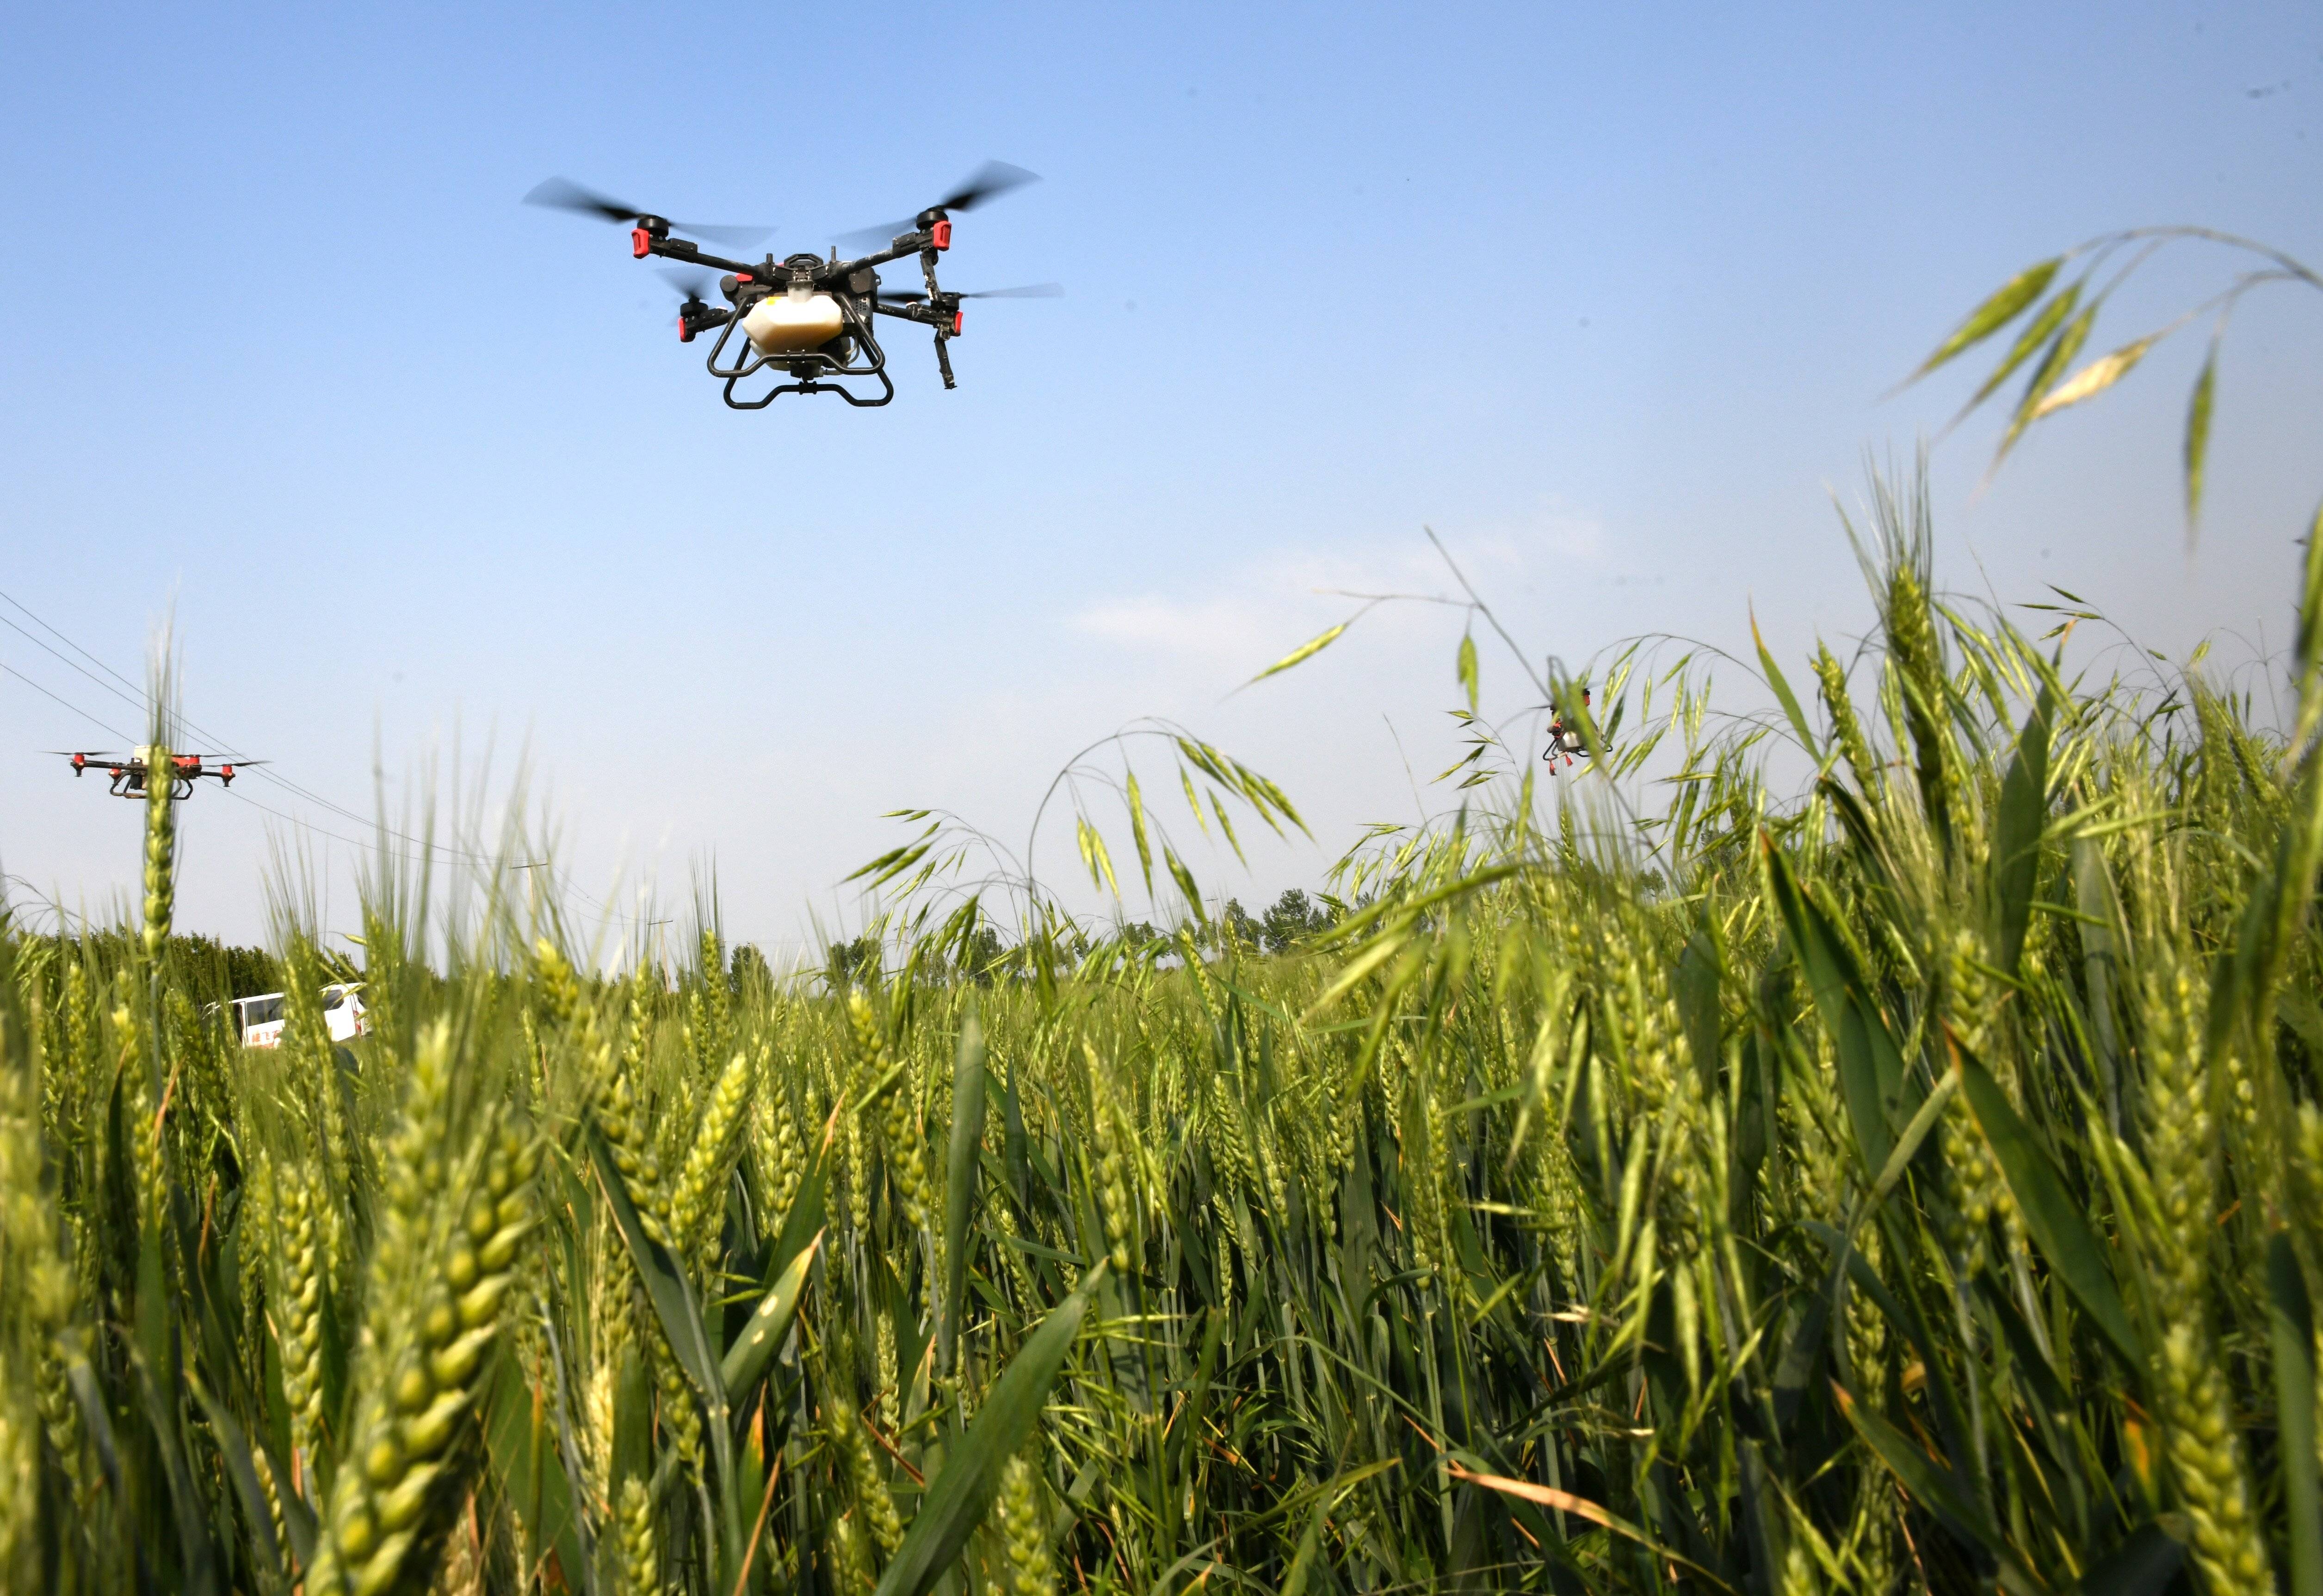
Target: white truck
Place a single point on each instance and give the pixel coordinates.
(258, 1020)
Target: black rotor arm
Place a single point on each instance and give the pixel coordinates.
(925, 313)
(908, 244)
(694, 255)
(696, 318)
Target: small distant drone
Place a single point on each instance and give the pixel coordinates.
(1565, 739)
(130, 772)
(806, 318)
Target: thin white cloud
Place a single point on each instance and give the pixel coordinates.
(1254, 613)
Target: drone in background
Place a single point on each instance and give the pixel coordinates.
(130, 772)
(803, 317)
(1564, 739)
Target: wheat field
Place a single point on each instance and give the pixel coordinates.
(1906, 1178)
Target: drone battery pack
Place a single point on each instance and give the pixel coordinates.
(792, 324)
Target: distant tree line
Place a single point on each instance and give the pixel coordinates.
(983, 958)
(219, 971)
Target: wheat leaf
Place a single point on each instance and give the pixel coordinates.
(962, 1490)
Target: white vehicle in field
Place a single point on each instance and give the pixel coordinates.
(258, 1020)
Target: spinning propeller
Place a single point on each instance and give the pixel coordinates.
(128, 772)
(804, 320)
(693, 315)
(558, 194)
(1030, 290)
(693, 286)
(988, 181)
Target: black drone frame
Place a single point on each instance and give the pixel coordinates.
(131, 784)
(129, 777)
(853, 284)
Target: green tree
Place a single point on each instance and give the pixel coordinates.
(850, 963)
(1294, 918)
(748, 969)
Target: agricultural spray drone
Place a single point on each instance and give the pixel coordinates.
(803, 317)
(129, 771)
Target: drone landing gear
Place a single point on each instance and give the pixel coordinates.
(131, 785)
(808, 384)
(853, 353)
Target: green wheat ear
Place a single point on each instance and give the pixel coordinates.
(640, 1555)
(1023, 1532)
(160, 848)
(454, 1217)
(2194, 1402)
(698, 1207)
(299, 1317)
(31, 1314)
(1658, 1115)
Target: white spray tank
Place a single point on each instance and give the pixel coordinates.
(794, 322)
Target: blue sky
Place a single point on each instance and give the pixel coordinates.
(1607, 296)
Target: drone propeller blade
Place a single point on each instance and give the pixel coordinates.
(1030, 290)
(721, 234)
(864, 238)
(84, 754)
(988, 181)
(694, 286)
(560, 194)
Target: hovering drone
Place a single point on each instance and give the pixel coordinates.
(1564, 739)
(803, 317)
(129, 771)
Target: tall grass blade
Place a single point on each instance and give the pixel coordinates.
(959, 1498)
(2290, 1324)
(963, 1162)
(2017, 839)
(2054, 1217)
(761, 1337)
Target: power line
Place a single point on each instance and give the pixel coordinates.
(143, 701)
(76, 648)
(138, 702)
(242, 797)
(75, 708)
